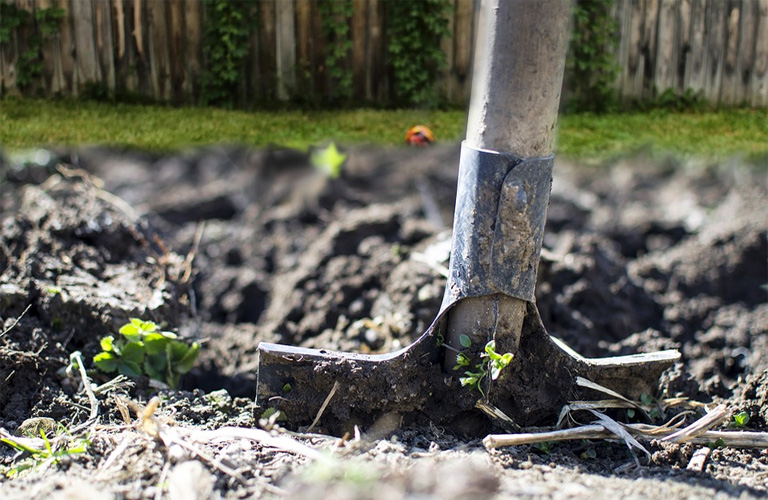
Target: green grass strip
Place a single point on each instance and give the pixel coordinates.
(27, 123)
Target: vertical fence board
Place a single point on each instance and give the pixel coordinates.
(177, 52)
(446, 83)
(683, 43)
(464, 36)
(86, 62)
(286, 49)
(624, 27)
(305, 67)
(666, 49)
(193, 39)
(632, 73)
(104, 45)
(359, 46)
(745, 63)
(729, 81)
(759, 83)
(159, 59)
(696, 62)
(267, 62)
(650, 25)
(716, 20)
(52, 79)
(375, 89)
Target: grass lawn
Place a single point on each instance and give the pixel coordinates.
(26, 123)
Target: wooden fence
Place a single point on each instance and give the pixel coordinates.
(154, 48)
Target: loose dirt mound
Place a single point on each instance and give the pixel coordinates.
(236, 247)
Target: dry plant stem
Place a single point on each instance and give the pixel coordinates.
(711, 419)
(280, 442)
(91, 396)
(699, 459)
(16, 321)
(324, 405)
(732, 439)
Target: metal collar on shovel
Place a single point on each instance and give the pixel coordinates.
(499, 222)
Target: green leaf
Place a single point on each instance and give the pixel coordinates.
(155, 367)
(188, 360)
(155, 342)
(328, 160)
(131, 332)
(106, 343)
(740, 419)
(646, 399)
(461, 361)
(105, 361)
(129, 368)
(134, 352)
(158, 362)
(490, 350)
(465, 341)
(176, 351)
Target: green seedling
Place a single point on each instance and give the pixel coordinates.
(43, 453)
(491, 363)
(544, 447)
(328, 160)
(720, 443)
(648, 400)
(739, 420)
(145, 350)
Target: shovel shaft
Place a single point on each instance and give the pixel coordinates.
(519, 65)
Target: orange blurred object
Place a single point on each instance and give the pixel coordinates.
(419, 136)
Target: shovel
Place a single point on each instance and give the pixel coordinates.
(505, 173)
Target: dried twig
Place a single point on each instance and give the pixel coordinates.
(16, 321)
(699, 459)
(621, 432)
(711, 419)
(77, 357)
(324, 405)
(732, 439)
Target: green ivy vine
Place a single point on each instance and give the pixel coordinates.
(335, 15)
(45, 24)
(415, 29)
(591, 68)
(228, 25)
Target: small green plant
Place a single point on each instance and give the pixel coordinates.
(46, 454)
(649, 401)
(225, 47)
(719, 443)
(145, 350)
(545, 447)
(335, 15)
(491, 363)
(739, 420)
(43, 26)
(413, 48)
(328, 160)
(591, 66)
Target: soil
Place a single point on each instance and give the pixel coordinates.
(234, 247)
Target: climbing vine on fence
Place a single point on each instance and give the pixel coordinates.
(592, 68)
(413, 48)
(228, 25)
(335, 16)
(42, 26)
